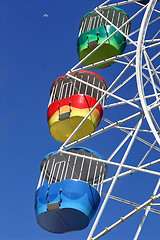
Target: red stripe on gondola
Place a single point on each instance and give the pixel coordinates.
(78, 101)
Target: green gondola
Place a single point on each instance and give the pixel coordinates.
(94, 29)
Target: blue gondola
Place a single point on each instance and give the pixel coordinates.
(69, 189)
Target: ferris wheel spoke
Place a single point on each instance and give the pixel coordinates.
(130, 172)
(123, 83)
(146, 212)
(151, 76)
(139, 70)
(128, 128)
(147, 153)
(115, 178)
(126, 217)
(120, 75)
(124, 100)
(155, 123)
(104, 3)
(153, 40)
(137, 137)
(153, 105)
(156, 36)
(148, 25)
(122, 62)
(120, 145)
(149, 63)
(135, 169)
(103, 129)
(132, 100)
(116, 104)
(114, 163)
(139, 165)
(101, 62)
(148, 79)
(129, 78)
(155, 72)
(131, 203)
(152, 45)
(120, 3)
(156, 10)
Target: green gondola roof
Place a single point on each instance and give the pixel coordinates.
(92, 12)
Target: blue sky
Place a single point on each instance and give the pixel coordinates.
(34, 51)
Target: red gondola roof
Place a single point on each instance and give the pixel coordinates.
(81, 71)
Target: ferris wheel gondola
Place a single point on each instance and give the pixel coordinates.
(132, 115)
(94, 30)
(69, 189)
(70, 102)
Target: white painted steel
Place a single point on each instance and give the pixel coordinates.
(140, 50)
(108, 162)
(146, 212)
(126, 217)
(131, 133)
(114, 181)
(133, 203)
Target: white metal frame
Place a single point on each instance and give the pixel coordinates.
(140, 50)
(141, 116)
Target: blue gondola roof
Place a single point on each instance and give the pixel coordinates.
(76, 148)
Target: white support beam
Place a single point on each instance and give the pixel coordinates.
(114, 180)
(103, 129)
(140, 44)
(126, 217)
(133, 203)
(146, 213)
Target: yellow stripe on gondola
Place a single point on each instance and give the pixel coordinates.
(61, 130)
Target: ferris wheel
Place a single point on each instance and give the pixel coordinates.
(122, 39)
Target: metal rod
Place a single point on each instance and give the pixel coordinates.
(132, 171)
(119, 29)
(130, 100)
(113, 125)
(45, 172)
(146, 213)
(104, 60)
(50, 179)
(139, 138)
(132, 203)
(126, 217)
(82, 163)
(89, 169)
(116, 164)
(67, 166)
(151, 76)
(141, 38)
(40, 179)
(75, 160)
(114, 180)
(62, 171)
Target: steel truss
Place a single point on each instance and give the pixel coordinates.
(139, 66)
